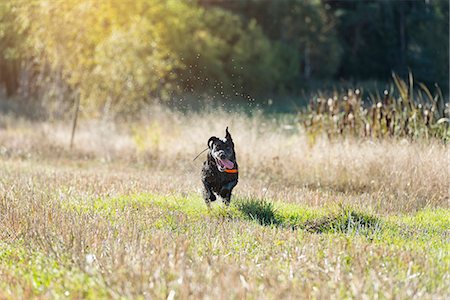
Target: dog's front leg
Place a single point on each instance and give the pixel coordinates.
(225, 192)
(208, 195)
(226, 195)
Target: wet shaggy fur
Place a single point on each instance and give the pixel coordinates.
(215, 181)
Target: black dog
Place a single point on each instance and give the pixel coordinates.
(220, 170)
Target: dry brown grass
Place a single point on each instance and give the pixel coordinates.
(276, 160)
(53, 225)
(148, 251)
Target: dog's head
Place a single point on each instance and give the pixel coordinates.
(222, 151)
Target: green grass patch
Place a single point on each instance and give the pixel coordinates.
(432, 219)
(29, 273)
(427, 228)
(265, 236)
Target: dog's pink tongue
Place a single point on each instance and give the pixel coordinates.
(228, 164)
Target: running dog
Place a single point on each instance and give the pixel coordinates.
(220, 170)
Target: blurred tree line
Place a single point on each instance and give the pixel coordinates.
(116, 54)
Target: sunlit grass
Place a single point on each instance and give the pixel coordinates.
(27, 273)
(400, 112)
(426, 228)
(383, 175)
(151, 229)
(108, 219)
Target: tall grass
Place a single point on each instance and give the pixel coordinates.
(401, 112)
(137, 246)
(121, 216)
(275, 157)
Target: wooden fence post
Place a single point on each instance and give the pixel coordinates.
(75, 118)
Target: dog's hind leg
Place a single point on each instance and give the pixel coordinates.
(208, 195)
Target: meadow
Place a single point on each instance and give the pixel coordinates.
(120, 215)
(344, 185)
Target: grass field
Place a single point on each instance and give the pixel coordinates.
(121, 216)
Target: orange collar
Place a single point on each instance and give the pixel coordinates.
(231, 171)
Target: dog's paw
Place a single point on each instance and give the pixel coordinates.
(212, 197)
(226, 201)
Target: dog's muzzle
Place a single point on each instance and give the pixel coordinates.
(223, 163)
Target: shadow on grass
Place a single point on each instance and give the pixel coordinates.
(261, 211)
(346, 220)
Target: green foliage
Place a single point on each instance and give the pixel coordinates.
(224, 55)
(130, 66)
(379, 37)
(303, 33)
(12, 46)
(310, 29)
(118, 55)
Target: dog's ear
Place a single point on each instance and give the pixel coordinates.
(228, 135)
(211, 141)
